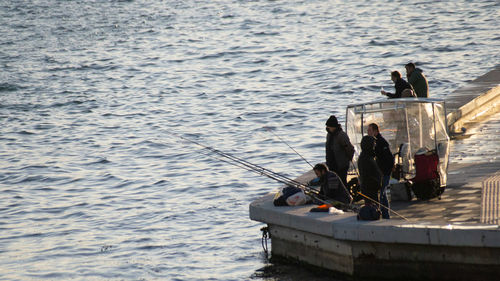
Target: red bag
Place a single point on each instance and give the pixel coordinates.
(426, 183)
(426, 166)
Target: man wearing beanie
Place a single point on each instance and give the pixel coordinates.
(339, 150)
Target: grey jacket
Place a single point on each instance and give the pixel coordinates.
(339, 150)
(333, 188)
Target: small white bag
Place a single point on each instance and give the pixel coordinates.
(297, 199)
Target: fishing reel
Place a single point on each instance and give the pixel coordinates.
(354, 188)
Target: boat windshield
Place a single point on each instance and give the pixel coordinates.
(409, 125)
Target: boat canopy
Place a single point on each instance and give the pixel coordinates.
(408, 124)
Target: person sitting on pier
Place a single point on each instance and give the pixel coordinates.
(331, 186)
(370, 176)
(399, 84)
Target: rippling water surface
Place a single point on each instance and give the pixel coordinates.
(93, 182)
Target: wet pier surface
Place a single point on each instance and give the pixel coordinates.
(472, 194)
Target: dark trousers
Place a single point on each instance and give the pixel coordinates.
(383, 197)
(342, 173)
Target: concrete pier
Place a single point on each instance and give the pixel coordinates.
(455, 238)
(474, 102)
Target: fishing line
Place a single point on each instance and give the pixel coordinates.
(269, 130)
(241, 163)
(254, 167)
(289, 182)
(382, 206)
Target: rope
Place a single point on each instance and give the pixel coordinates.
(265, 236)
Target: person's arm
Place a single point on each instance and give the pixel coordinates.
(399, 86)
(390, 95)
(349, 148)
(314, 182)
(327, 149)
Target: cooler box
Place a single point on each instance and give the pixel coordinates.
(400, 192)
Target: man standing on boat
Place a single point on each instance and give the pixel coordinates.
(385, 162)
(399, 84)
(339, 150)
(417, 80)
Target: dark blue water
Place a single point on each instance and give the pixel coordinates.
(93, 182)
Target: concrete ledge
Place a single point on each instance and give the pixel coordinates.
(482, 106)
(312, 249)
(387, 261)
(480, 98)
(388, 249)
(347, 227)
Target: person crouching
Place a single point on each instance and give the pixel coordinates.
(331, 185)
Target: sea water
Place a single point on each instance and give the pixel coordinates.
(96, 185)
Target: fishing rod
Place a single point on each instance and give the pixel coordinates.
(281, 179)
(355, 169)
(241, 163)
(277, 177)
(366, 197)
(269, 130)
(389, 209)
(245, 164)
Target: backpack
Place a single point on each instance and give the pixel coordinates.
(290, 196)
(369, 212)
(428, 189)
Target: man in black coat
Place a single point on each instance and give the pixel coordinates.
(339, 150)
(370, 176)
(399, 83)
(385, 162)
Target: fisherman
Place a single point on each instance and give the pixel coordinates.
(339, 150)
(399, 84)
(370, 176)
(385, 162)
(417, 80)
(331, 185)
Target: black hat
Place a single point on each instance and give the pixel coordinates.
(332, 122)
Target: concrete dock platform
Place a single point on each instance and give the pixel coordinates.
(455, 238)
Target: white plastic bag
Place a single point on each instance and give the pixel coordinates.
(335, 211)
(297, 199)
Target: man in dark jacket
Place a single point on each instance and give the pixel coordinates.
(370, 176)
(339, 150)
(399, 83)
(417, 80)
(385, 162)
(331, 185)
